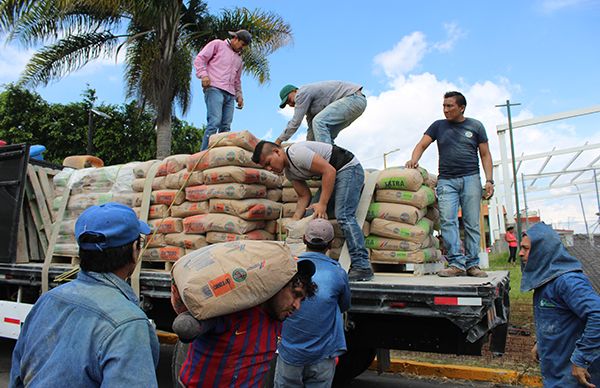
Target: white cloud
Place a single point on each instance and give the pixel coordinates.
(404, 56)
(550, 6)
(454, 35)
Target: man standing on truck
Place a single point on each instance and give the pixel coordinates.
(235, 350)
(342, 178)
(566, 310)
(329, 107)
(459, 138)
(313, 338)
(219, 66)
(91, 332)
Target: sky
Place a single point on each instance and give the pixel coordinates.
(542, 54)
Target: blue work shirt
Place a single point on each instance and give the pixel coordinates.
(566, 310)
(316, 331)
(87, 333)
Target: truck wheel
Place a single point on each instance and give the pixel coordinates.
(353, 363)
(179, 354)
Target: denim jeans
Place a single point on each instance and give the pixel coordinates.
(219, 113)
(328, 123)
(466, 192)
(319, 375)
(345, 197)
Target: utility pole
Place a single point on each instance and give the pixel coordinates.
(385, 154)
(507, 105)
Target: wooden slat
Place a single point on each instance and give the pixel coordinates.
(41, 202)
(35, 215)
(46, 188)
(32, 237)
(22, 251)
(52, 242)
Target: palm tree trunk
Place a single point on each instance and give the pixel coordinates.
(163, 133)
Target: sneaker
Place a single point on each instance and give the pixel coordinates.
(476, 272)
(451, 272)
(360, 274)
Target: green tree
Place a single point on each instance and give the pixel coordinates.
(160, 38)
(129, 134)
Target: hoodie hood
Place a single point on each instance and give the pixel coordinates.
(548, 258)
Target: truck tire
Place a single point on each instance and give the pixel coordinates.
(353, 363)
(179, 354)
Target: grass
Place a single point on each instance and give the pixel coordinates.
(499, 261)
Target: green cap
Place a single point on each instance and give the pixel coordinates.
(283, 94)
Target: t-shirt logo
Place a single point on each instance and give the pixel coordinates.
(469, 134)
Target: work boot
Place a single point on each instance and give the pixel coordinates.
(476, 272)
(360, 274)
(451, 272)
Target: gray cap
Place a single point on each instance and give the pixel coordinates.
(319, 231)
(242, 35)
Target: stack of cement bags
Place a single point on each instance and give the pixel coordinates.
(89, 186)
(168, 209)
(400, 231)
(235, 189)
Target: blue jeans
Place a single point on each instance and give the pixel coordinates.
(345, 197)
(219, 113)
(466, 192)
(328, 123)
(319, 375)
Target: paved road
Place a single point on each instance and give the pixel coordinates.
(369, 379)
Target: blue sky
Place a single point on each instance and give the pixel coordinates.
(540, 53)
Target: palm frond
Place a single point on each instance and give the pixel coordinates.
(67, 55)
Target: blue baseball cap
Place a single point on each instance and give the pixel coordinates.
(117, 223)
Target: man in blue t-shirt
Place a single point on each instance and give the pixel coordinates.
(459, 138)
(313, 337)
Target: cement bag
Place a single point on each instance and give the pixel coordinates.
(271, 226)
(187, 241)
(228, 277)
(392, 244)
(366, 229)
(158, 183)
(184, 178)
(431, 180)
(172, 164)
(82, 161)
(219, 157)
(156, 241)
(421, 198)
(93, 180)
(243, 139)
(203, 223)
(415, 233)
(167, 225)
(433, 213)
(154, 212)
(337, 242)
(224, 190)
(334, 253)
(83, 201)
(235, 174)
(66, 250)
(141, 169)
(274, 194)
(65, 239)
(138, 184)
(218, 237)
(187, 209)
(337, 229)
(289, 194)
(167, 197)
(397, 257)
(168, 253)
(400, 178)
(288, 209)
(137, 199)
(247, 209)
(395, 212)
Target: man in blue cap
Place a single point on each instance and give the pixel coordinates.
(329, 107)
(91, 332)
(566, 310)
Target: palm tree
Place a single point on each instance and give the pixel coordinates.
(160, 39)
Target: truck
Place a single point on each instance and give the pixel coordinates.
(392, 311)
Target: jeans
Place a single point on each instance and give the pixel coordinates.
(328, 123)
(219, 113)
(464, 191)
(319, 375)
(345, 196)
(513, 254)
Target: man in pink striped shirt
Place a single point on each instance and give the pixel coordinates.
(219, 66)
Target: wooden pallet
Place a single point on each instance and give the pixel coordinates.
(160, 265)
(412, 269)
